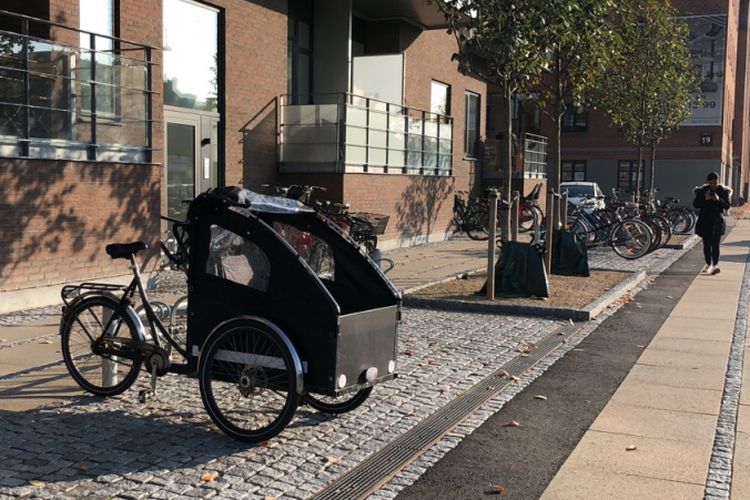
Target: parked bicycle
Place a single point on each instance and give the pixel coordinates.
(629, 238)
(470, 216)
(530, 214)
(364, 228)
(173, 258)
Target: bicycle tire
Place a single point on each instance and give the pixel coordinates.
(339, 405)
(631, 239)
(666, 229)
(527, 218)
(72, 355)
(229, 365)
(656, 235)
(477, 222)
(680, 221)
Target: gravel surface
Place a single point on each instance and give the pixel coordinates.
(565, 291)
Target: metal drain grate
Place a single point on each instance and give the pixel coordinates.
(378, 468)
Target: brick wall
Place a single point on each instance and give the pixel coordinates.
(58, 217)
(256, 53)
(420, 205)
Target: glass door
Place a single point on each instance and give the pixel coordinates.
(181, 165)
(192, 157)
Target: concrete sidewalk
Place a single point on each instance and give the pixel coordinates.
(655, 437)
(421, 265)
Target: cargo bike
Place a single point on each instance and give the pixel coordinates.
(283, 309)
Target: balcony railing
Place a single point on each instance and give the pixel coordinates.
(75, 95)
(351, 133)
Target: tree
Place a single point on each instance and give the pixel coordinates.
(647, 90)
(577, 39)
(498, 41)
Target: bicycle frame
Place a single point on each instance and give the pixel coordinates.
(151, 317)
(125, 302)
(600, 228)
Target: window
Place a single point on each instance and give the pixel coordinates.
(191, 74)
(98, 16)
(626, 175)
(471, 131)
(440, 98)
(236, 259)
(576, 119)
(526, 114)
(299, 52)
(495, 111)
(573, 171)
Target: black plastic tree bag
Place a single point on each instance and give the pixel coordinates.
(520, 271)
(569, 255)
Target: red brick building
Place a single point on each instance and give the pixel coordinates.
(114, 111)
(713, 139)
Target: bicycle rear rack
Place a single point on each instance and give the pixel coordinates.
(70, 292)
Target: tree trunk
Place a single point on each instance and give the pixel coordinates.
(554, 143)
(508, 160)
(653, 173)
(637, 196)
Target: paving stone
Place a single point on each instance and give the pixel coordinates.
(164, 446)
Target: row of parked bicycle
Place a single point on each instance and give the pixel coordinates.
(631, 229)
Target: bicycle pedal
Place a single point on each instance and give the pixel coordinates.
(145, 395)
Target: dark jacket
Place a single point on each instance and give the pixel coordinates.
(711, 218)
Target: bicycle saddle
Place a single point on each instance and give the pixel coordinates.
(125, 250)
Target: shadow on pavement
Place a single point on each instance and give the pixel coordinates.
(52, 445)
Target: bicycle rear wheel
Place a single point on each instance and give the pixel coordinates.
(338, 405)
(82, 325)
(477, 223)
(631, 239)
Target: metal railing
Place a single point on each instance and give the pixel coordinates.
(344, 132)
(73, 94)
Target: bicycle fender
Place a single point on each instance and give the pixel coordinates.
(129, 311)
(300, 374)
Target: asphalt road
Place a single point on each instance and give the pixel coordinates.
(523, 460)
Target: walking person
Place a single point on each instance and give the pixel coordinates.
(712, 199)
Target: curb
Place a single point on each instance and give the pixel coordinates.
(596, 307)
(444, 280)
(688, 243)
(586, 313)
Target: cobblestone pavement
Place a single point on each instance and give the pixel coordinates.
(118, 447)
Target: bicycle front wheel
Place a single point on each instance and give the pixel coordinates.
(680, 221)
(665, 228)
(631, 239)
(248, 381)
(83, 324)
